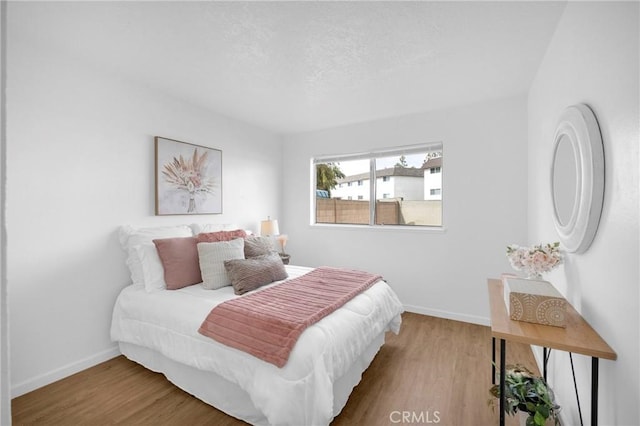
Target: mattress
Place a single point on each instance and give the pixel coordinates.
(301, 392)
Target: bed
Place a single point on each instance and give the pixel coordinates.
(159, 330)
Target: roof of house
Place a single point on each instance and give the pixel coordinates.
(391, 171)
(433, 163)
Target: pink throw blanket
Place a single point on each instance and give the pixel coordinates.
(267, 323)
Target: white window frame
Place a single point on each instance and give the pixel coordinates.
(372, 155)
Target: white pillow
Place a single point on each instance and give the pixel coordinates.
(212, 257)
(152, 269)
(132, 237)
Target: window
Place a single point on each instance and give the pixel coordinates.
(412, 198)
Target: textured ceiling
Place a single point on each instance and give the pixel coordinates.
(300, 66)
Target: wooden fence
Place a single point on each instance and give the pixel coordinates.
(388, 212)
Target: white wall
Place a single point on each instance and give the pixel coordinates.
(485, 181)
(80, 164)
(409, 188)
(593, 59)
(5, 400)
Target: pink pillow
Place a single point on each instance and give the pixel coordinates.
(179, 257)
(214, 237)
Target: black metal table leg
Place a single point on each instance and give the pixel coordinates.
(544, 364)
(594, 391)
(503, 372)
(493, 360)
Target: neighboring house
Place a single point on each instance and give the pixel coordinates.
(396, 182)
(433, 179)
(407, 183)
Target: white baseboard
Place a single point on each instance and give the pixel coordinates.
(62, 372)
(448, 315)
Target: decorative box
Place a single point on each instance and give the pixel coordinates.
(534, 301)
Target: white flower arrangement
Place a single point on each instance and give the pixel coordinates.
(535, 260)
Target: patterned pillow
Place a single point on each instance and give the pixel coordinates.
(257, 246)
(249, 274)
(212, 237)
(212, 257)
(197, 228)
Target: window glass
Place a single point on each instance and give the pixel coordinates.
(347, 203)
(399, 186)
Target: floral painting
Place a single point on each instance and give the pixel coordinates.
(188, 178)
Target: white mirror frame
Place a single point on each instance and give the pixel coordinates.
(580, 126)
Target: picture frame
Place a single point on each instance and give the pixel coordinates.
(188, 178)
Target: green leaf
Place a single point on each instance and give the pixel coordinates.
(543, 410)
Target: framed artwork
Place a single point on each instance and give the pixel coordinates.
(188, 178)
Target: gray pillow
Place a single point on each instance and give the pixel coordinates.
(249, 274)
(257, 246)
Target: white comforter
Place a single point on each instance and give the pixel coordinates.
(299, 393)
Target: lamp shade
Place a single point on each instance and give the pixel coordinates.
(269, 227)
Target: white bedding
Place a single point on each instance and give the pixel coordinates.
(299, 393)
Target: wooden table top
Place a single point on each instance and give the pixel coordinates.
(578, 337)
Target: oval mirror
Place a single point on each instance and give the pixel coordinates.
(565, 180)
(577, 178)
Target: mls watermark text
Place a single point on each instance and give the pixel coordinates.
(414, 417)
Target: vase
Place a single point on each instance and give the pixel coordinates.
(534, 276)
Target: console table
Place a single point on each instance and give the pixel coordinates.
(578, 337)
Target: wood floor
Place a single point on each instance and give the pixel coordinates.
(436, 370)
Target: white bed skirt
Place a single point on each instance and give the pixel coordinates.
(229, 397)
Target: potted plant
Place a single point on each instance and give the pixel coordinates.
(529, 394)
